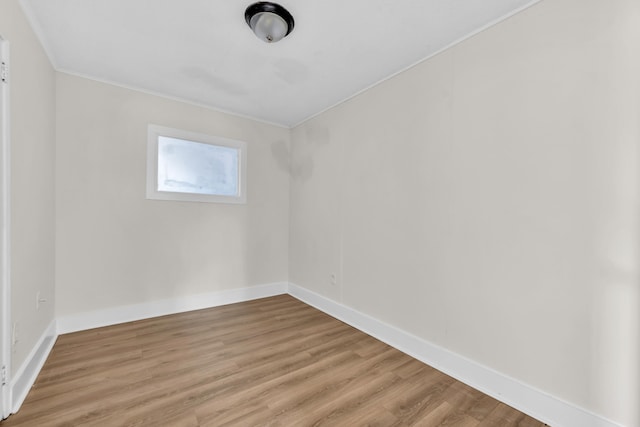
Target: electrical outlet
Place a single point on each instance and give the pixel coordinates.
(39, 300)
(14, 334)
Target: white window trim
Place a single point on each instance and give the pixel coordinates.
(154, 131)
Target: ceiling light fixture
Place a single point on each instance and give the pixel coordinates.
(269, 21)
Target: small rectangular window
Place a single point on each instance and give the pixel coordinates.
(194, 167)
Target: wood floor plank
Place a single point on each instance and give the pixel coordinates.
(270, 362)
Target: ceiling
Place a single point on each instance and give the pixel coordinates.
(202, 51)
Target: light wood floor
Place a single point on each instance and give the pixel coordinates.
(269, 362)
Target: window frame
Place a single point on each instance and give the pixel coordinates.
(156, 131)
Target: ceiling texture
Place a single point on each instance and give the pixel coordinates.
(203, 52)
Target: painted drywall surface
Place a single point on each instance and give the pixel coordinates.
(115, 247)
(487, 200)
(32, 127)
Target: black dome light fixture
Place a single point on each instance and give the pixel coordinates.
(269, 21)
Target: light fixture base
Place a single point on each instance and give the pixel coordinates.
(269, 21)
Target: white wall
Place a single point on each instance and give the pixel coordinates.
(487, 200)
(114, 247)
(32, 127)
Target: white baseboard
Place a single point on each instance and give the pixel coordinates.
(26, 375)
(536, 403)
(146, 310)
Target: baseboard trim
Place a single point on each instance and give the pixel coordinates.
(26, 375)
(146, 310)
(536, 403)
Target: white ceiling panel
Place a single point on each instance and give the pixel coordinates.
(204, 52)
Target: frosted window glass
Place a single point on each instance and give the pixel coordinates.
(194, 167)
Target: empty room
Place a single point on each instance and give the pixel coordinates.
(297, 213)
